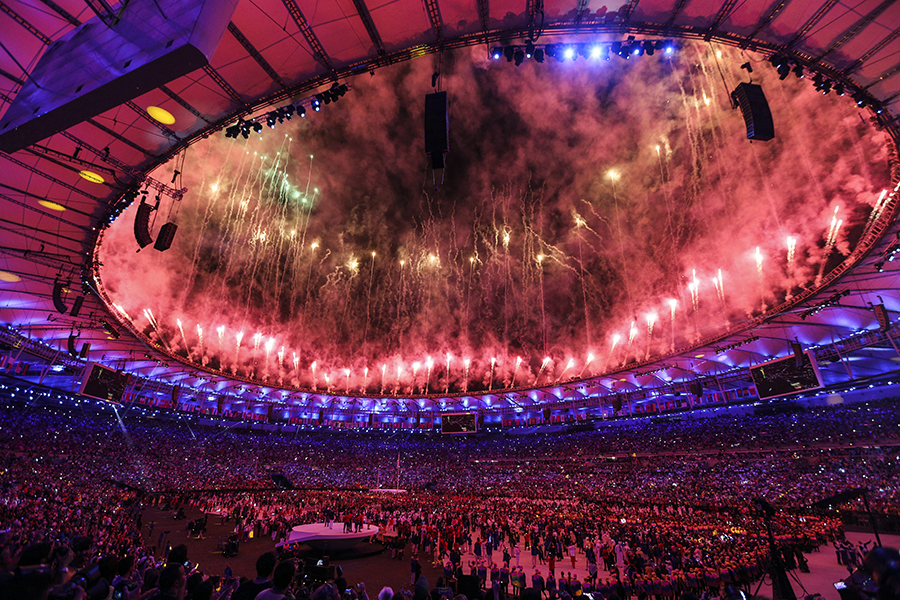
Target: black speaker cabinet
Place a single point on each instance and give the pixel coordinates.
(166, 234)
(142, 225)
(755, 110)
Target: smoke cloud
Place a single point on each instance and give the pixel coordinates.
(593, 212)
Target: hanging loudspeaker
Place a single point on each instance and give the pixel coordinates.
(85, 348)
(76, 307)
(755, 110)
(58, 287)
(437, 128)
(142, 225)
(164, 239)
(72, 349)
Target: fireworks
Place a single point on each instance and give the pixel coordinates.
(694, 289)
(491, 383)
(183, 338)
(466, 364)
(569, 365)
(719, 283)
(318, 304)
(833, 229)
(515, 371)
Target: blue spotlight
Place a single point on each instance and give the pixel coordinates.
(596, 51)
(496, 53)
(569, 53)
(670, 49)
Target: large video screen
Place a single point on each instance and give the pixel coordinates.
(459, 423)
(102, 383)
(785, 376)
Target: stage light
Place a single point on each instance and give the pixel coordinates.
(826, 87)
(860, 98)
(497, 53)
(519, 56)
(839, 89)
(270, 120)
(798, 71)
(670, 49)
(508, 52)
(529, 49)
(637, 49)
(649, 48)
(257, 127)
(539, 55)
(596, 51)
(569, 53)
(301, 110)
(232, 132)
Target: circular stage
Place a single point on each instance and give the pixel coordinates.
(320, 537)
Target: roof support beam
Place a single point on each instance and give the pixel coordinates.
(626, 11)
(61, 12)
(366, 18)
(11, 77)
(856, 28)
(889, 73)
(146, 116)
(40, 173)
(308, 34)
(675, 12)
(720, 16)
(580, 9)
(254, 54)
(484, 12)
(220, 81)
(823, 10)
(434, 15)
(44, 213)
(183, 104)
(28, 26)
(122, 139)
(872, 51)
(766, 20)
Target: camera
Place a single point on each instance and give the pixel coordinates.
(878, 579)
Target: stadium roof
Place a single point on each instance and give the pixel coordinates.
(272, 51)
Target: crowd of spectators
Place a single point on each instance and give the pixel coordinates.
(657, 505)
